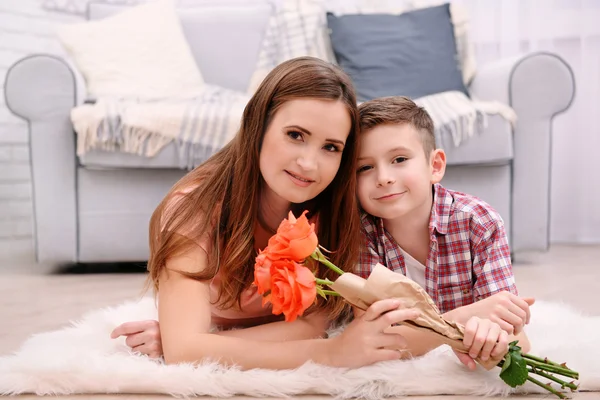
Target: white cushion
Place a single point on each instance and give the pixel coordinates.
(141, 52)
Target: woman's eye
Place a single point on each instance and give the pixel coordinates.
(294, 135)
(364, 168)
(332, 148)
(399, 160)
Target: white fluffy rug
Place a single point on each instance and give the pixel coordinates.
(82, 358)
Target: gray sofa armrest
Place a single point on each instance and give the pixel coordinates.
(42, 90)
(537, 86)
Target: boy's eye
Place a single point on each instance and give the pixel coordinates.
(399, 160)
(364, 168)
(295, 135)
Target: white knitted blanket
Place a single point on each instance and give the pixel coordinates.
(202, 125)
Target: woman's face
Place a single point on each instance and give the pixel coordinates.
(302, 147)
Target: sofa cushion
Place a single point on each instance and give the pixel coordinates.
(168, 157)
(411, 54)
(225, 37)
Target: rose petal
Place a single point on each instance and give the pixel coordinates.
(262, 273)
(307, 287)
(304, 247)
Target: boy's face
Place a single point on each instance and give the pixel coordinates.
(394, 175)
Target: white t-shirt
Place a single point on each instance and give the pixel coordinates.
(414, 269)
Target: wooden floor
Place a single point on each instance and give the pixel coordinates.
(33, 300)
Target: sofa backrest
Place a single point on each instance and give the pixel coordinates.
(225, 37)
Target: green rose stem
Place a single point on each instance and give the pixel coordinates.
(517, 368)
(551, 368)
(317, 255)
(544, 360)
(570, 385)
(547, 387)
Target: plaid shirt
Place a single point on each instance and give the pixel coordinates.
(469, 257)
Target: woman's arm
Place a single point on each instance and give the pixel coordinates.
(313, 326)
(144, 336)
(184, 315)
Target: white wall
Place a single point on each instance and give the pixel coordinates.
(25, 27)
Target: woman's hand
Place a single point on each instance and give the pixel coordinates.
(364, 342)
(142, 337)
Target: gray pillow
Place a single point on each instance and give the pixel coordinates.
(411, 54)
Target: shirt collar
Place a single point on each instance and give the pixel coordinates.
(440, 210)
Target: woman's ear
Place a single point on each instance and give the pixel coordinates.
(437, 161)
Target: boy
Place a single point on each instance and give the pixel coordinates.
(452, 244)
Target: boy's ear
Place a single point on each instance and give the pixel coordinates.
(438, 165)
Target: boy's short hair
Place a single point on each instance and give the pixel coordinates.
(398, 110)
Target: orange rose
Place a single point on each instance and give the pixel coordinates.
(295, 239)
(262, 273)
(293, 289)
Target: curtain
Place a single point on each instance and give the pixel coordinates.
(569, 28)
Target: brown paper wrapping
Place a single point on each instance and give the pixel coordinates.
(384, 284)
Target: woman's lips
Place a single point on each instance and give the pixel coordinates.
(299, 180)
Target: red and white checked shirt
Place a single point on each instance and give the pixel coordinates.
(469, 257)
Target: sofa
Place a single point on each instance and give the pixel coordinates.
(96, 208)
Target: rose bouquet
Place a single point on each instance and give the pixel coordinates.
(283, 278)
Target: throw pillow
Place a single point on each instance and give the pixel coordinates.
(411, 54)
(458, 13)
(140, 52)
(460, 19)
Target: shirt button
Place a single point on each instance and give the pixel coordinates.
(466, 291)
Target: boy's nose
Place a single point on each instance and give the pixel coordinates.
(384, 181)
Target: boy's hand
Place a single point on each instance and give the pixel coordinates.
(509, 311)
(484, 339)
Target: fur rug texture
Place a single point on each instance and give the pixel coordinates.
(81, 358)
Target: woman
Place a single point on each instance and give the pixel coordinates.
(296, 150)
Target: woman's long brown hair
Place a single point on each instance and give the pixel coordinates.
(225, 191)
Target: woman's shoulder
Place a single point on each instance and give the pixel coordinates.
(181, 215)
(175, 200)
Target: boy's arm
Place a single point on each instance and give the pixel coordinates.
(462, 315)
(419, 342)
(492, 267)
(494, 291)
